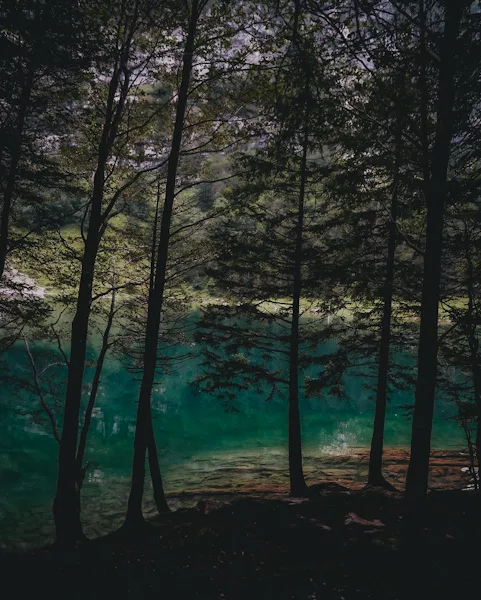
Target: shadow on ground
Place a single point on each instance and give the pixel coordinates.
(336, 544)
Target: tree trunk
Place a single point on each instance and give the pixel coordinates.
(473, 343)
(66, 506)
(418, 471)
(16, 151)
(476, 374)
(375, 476)
(296, 475)
(144, 436)
(81, 469)
(155, 474)
(424, 103)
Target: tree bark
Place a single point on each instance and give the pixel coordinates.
(154, 468)
(66, 506)
(418, 471)
(298, 485)
(473, 343)
(375, 476)
(155, 474)
(81, 469)
(144, 436)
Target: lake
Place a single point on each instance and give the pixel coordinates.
(203, 449)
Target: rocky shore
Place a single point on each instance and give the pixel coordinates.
(222, 478)
(338, 544)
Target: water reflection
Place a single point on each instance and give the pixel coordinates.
(202, 448)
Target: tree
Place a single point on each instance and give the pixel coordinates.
(202, 126)
(436, 189)
(130, 51)
(144, 436)
(376, 175)
(44, 57)
(269, 247)
(205, 196)
(45, 385)
(459, 342)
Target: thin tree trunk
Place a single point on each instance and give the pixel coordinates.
(477, 378)
(473, 343)
(48, 411)
(154, 468)
(296, 474)
(476, 374)
(471, 452)
(16, 151)
(424, 93)
(375, 476)
(81, 469)
(66, 506)
(144, 432)
(418, 471)
(155, 474)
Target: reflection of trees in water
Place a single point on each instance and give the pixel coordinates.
(108, 422)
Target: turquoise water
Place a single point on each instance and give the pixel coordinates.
(195, 436)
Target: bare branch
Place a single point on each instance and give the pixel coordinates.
(38, 387)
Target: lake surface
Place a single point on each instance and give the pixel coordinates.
(202, 448)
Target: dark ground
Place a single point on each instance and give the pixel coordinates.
(338, 544)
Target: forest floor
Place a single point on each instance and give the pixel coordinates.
(337, 544)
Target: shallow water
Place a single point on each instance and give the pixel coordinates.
(203, 449)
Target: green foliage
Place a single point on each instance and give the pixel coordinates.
(309, 130)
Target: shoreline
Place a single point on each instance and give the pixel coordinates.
(337, 543)
(104, 499)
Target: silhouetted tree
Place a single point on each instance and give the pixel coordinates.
(436, 193)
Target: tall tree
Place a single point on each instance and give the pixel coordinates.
(458, 342)
(43, 59)
(268, 253)
(375, 476)
(212, 70)
(144, 436)
(130, 51)
(376, 175)
(436, 189)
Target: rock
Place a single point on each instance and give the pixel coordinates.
(317, 523)
(292, 500)
(15, 284)
(353, 519)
